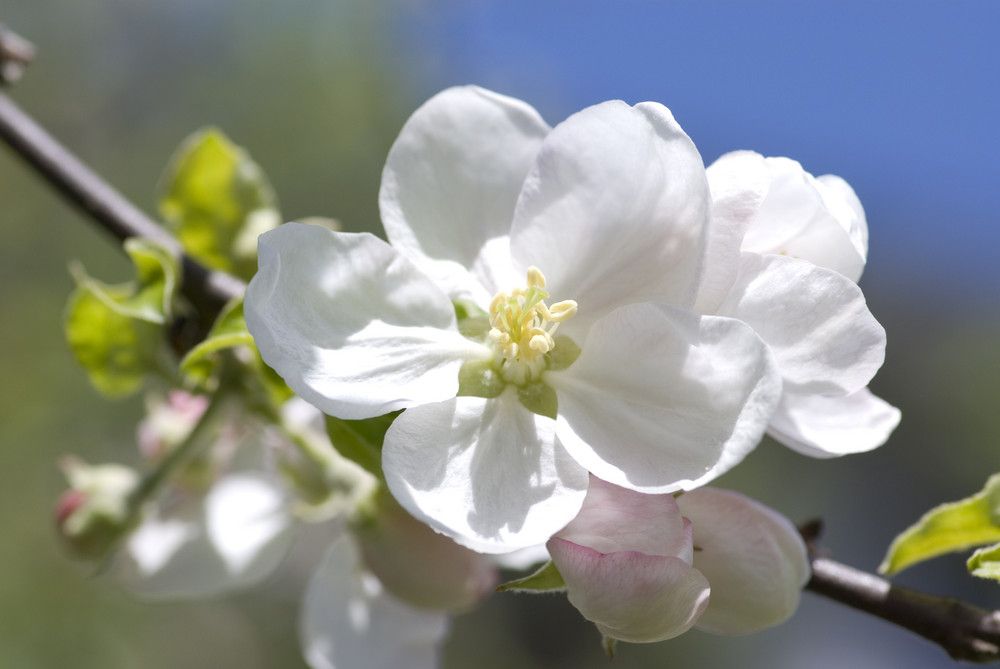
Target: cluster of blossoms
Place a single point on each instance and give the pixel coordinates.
(579, 327)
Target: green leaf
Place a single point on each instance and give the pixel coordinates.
(955, 526)
(216, 200)
(546, 579)
(985, 563)
(115, 332)
(361, 440)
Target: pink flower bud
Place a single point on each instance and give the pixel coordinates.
(94, 514)
(626, 561)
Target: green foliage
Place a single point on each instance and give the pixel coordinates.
(985, 563)
(115, 332)
(216, 201)
(546, 579)
(361, 440)
(973, 521)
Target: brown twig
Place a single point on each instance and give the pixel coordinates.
(966, 632)
(207, 290)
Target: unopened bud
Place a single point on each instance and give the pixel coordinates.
(95, 513)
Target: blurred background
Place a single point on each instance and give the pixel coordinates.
(899, 98)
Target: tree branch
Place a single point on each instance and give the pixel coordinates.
(207, 290)
(966, 632)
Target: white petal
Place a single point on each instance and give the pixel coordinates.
(246, 516)
(659, 395)
(739, 182)
(488, 473)
(753, 557)
(615, 211)
(815, 321)
(824, 427)
(233, 538)
(452, 178)
(804, 218)
(351, 325)
(350, 622)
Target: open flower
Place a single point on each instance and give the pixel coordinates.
(647, 568)
(532, 315)
(785, 253)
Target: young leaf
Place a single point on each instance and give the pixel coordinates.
(216, 200)
(546, 579)
(361, 440)
(955, 526)
(985, 563)
(115, 331)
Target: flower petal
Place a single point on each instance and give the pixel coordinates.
(233, 538)
(350, 622)
(659, 395)
(617, 519)
(452, 178)
(753, 557)
(801, 217)
(486, 472)
(738, 182)
(351, 325)
(815, 321)
(824, 427)
(615, 211)
(629, 595)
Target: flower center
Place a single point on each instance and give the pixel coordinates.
(522, 326)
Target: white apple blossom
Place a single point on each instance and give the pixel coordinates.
(785, 253)
(646, 568)
(490, 213)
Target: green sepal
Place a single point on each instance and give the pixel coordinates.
(361, 440)
(216, 200)
(546, 579)
(973, 521)
(477, 378)
(115, 332)
(539, 398)
(563, 354)
(985, 563)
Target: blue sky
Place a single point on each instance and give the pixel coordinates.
(900, 98)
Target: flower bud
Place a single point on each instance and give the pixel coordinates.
(626, 561)
(94, 514)
(416, 564)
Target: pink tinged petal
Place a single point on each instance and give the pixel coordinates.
(452, 178)
(613, 518)
(739, 182)
(488, 473)
(816, 322)
(232, 539)
(825, 426)
(753, 557)
(421, 567)
(659, 395)
(351, 325)
(349, 621)
(615, 211)
(804, 218)
(629, 595)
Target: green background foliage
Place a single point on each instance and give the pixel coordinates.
(316, 92)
